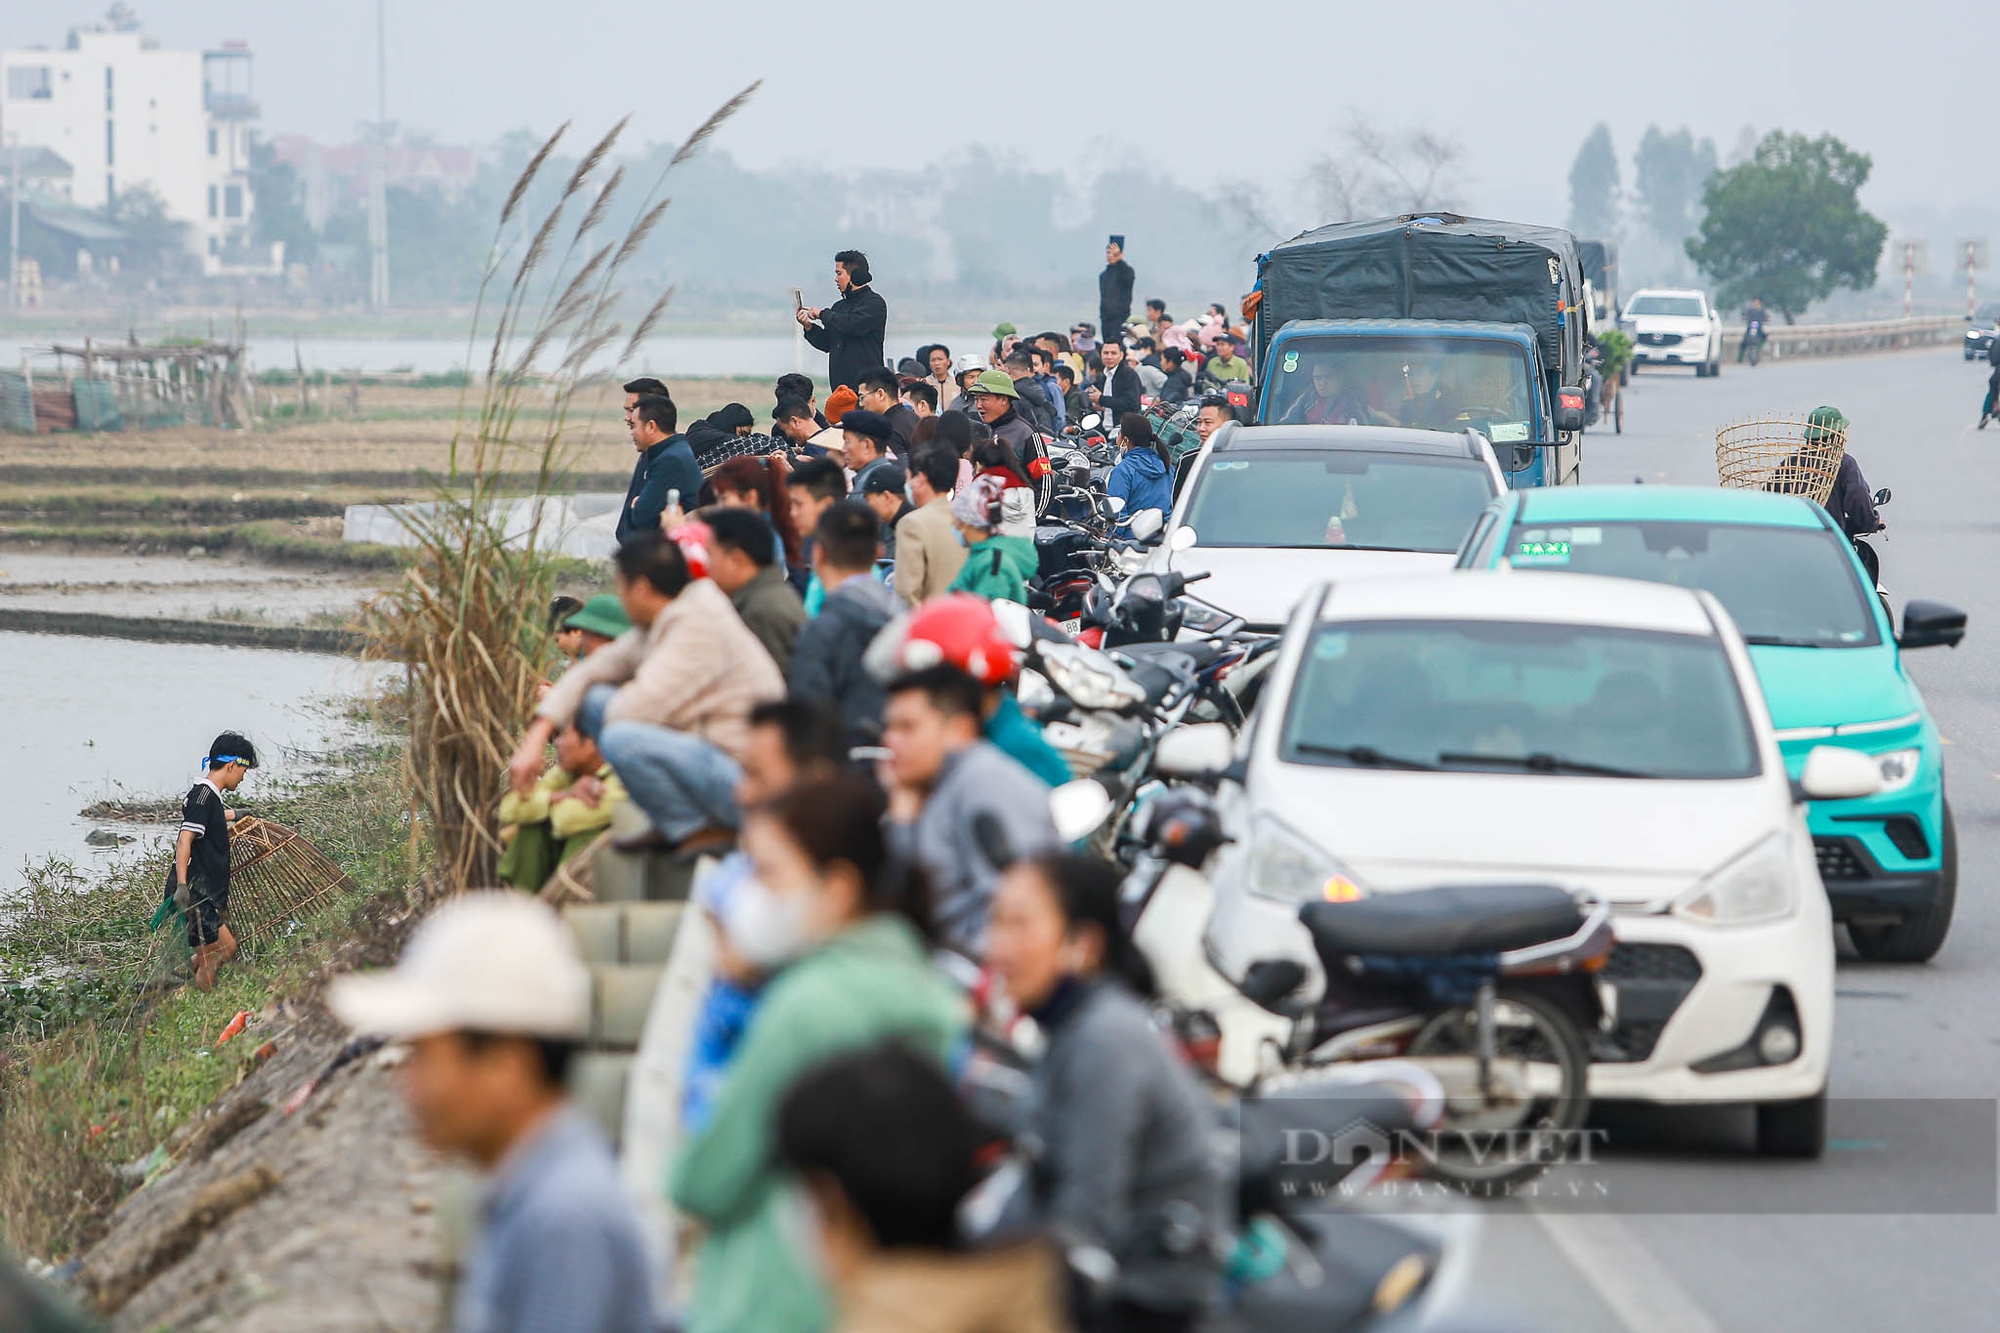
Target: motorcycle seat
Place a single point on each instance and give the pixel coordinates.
(1456, 919)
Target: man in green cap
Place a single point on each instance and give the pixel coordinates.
(997, 401)
(600, 620)
(1852, 502)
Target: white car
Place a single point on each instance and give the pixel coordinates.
(1602, 735)
(1268, 511)
(1674, 327)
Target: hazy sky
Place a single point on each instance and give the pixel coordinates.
(1215, 89)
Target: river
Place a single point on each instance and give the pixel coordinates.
(672, 355)
(97, 718)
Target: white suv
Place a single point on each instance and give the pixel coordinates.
(1672, 327)
(1602, 735)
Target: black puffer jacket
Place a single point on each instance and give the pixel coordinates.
(850, 332)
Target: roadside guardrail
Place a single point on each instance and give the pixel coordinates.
(1875, 335)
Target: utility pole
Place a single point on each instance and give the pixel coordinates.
(378, 202)
(14, 224)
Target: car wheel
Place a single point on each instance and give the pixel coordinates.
(1792, 1129)
(1701, 370)
(1715, 367)
(1917, 938)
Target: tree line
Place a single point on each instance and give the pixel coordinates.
(1782, 221)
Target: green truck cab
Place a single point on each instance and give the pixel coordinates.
(1429, 320)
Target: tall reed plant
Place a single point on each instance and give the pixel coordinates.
(467, 618)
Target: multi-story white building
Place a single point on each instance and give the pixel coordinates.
(124, 114)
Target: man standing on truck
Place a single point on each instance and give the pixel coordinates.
(1114, 289)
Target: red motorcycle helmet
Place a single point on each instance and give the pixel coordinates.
(959, 630)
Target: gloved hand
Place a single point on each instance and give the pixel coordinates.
(182, 896)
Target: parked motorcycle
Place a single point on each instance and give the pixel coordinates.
(1488, 988)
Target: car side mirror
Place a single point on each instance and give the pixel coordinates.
(1146, 524)
(1569, 411)
(1931, 625)
(1198, 751)
(1184, 538)
(1836, 773)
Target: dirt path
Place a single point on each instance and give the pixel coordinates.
(324, 1219)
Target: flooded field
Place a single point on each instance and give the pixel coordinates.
(93, 719)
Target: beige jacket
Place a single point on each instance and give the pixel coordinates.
(1017, 1289)
(928, 552)
(697, 669)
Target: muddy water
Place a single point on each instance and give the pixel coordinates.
(87, 719)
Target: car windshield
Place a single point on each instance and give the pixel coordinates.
(1513, 697)
(1791, 586)
(1665, 305)
(1336, 498)
(1428, 383)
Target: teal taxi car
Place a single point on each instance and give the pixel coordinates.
(1826, 654)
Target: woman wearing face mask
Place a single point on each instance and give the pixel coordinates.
(845, 933)
(1125, 1162)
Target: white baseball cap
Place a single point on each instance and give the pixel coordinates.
(496, 962)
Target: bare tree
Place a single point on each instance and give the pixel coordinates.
(1381, 170)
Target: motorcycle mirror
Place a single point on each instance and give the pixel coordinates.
(1015, 621)
(1882, 496)
(1184, 538)
(1146, 524)
(1077, 808)
(1115, 503)
(1201, 750)
(1091, 421)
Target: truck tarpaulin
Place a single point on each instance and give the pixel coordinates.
(1431, 266)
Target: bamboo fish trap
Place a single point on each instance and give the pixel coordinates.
(1789, 455)
(276, 875)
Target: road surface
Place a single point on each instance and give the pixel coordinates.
(1901, 1031)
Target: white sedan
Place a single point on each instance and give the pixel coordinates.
(1269, 511)
(1603, 735)
(1674, 327)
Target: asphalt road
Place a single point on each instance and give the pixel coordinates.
(1902, 1032)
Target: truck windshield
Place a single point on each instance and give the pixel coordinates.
(1337, 498)
(1687, 307)
(1427, 383)
(1794, 587)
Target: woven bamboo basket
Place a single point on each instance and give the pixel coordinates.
(1782, 454)
(276, 876)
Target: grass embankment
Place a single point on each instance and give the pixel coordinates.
(96, 1069)
(277, 492)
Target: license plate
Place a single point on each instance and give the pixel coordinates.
(1074, 625)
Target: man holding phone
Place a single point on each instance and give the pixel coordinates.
(851, 330)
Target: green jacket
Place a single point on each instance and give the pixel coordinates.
(998, 567)
(871, 981)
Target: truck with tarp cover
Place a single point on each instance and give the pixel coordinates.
(1430, 320)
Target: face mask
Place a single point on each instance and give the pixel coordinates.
(909, 494)
(767, 928)
(961, 537)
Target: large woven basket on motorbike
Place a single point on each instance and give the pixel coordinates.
(1786, 454)
(276, 876)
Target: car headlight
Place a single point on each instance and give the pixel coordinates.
(1759, 885)
(1200, 617)
(1089, 679)
(1286, 865)
(1899, 768)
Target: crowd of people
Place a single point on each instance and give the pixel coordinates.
(801, 674)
